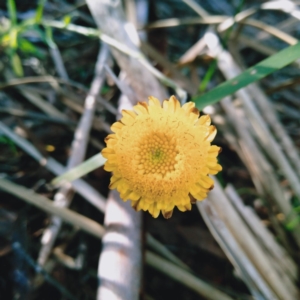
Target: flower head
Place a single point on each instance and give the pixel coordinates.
(161, 156)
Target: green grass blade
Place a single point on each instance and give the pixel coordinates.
(16, 64)
(39, 11)
(12, 11)
(209, 74)
(255, 73)
(87, 166)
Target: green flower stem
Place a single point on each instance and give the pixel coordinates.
(87, 166)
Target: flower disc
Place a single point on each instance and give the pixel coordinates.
(161, 156)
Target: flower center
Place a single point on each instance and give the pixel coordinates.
(158, 155)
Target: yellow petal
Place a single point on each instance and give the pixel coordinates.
(195, 189)
(171, 105)
(167, 214)
(114, 181)
(206, 182)
(117, 126)
(109, 167)
(135, 205)
(212, 131)
(107, 151)
(200, 195)
(216, 169)
(204, 120)
(144, 205)
(141, 108)
(215, 149)
(110, 137)
(153, 210)
(128, 117)
(134, 196)
(125, 195)
(188, 107)
(185, 207)
(154, 101)
(128, 113)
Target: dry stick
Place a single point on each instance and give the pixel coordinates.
(263, 266)
(130, 10)
(36, 116)
(184, 277)
(230, 69)
(272, 30)
(136, 58)
(124, 88)
(181, 268)
(169, 67)
(42, 104)
(92, 228)
(174, 22)
(64, 196)
(265, 237)
(98, 124)
(246, 40)
(286, 25)
(121, 259)
(285, 6)
(80, 186)
(217, 19)
(242, 264)
(56, 56)
(97, 230)
(37, 100)
(272, 278)
(288, 111)
(246, 240)
(268, 112)
(197, 8)
(54, 82)
(191, 54)
(119, 269)
(261, 171)
(47, 205)
(244, 141)
(163, 251)
(110, 20)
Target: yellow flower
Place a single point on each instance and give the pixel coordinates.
(161, 156)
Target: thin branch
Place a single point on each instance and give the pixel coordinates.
(64, 196)
(47, 206)
(185, 278)
(80, 186)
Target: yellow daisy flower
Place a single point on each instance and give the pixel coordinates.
(161, 156)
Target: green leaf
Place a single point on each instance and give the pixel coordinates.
(13, 38)
(67, 19)
(12, 11)
(6, 141)
(49, 37)
(209, 74)
(39, 11)
(16, 64)
(255, 73)
(29, 48)
(292, 224)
